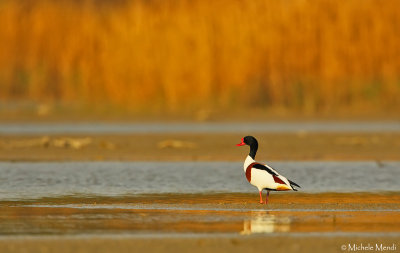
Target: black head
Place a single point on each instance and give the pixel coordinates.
(252, 142)
(248, 140)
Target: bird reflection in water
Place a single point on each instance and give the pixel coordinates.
(263, 222)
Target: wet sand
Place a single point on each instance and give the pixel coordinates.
(200, 147)
(215, 244)
(187, 222)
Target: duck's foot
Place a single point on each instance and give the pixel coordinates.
(261, 200)
(266, 198)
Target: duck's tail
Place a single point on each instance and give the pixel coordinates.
(293, 184)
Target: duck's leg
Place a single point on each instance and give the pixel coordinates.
(266, 198)
(261, 200)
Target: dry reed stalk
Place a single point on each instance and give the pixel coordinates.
(178, 55)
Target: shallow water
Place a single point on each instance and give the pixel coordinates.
(208, 214)
(23, 180)
(231, 127)
(208, 198)
(68, 221)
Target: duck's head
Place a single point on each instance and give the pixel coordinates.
(252, 142)
(248, 140)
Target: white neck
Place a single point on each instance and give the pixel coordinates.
(247, 162)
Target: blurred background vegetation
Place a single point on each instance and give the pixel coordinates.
(183, 56)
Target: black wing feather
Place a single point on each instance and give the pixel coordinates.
(293, 183)
(263, 167)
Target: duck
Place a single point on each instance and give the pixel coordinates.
(263, 176)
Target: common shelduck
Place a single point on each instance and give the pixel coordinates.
(263, 176)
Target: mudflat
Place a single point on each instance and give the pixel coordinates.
(278, 243)
(209, 222)
(200, 146)
(217, 222)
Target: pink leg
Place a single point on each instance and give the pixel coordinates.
(266, 198)
(261, 200)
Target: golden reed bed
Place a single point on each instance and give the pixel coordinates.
(163, 54)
